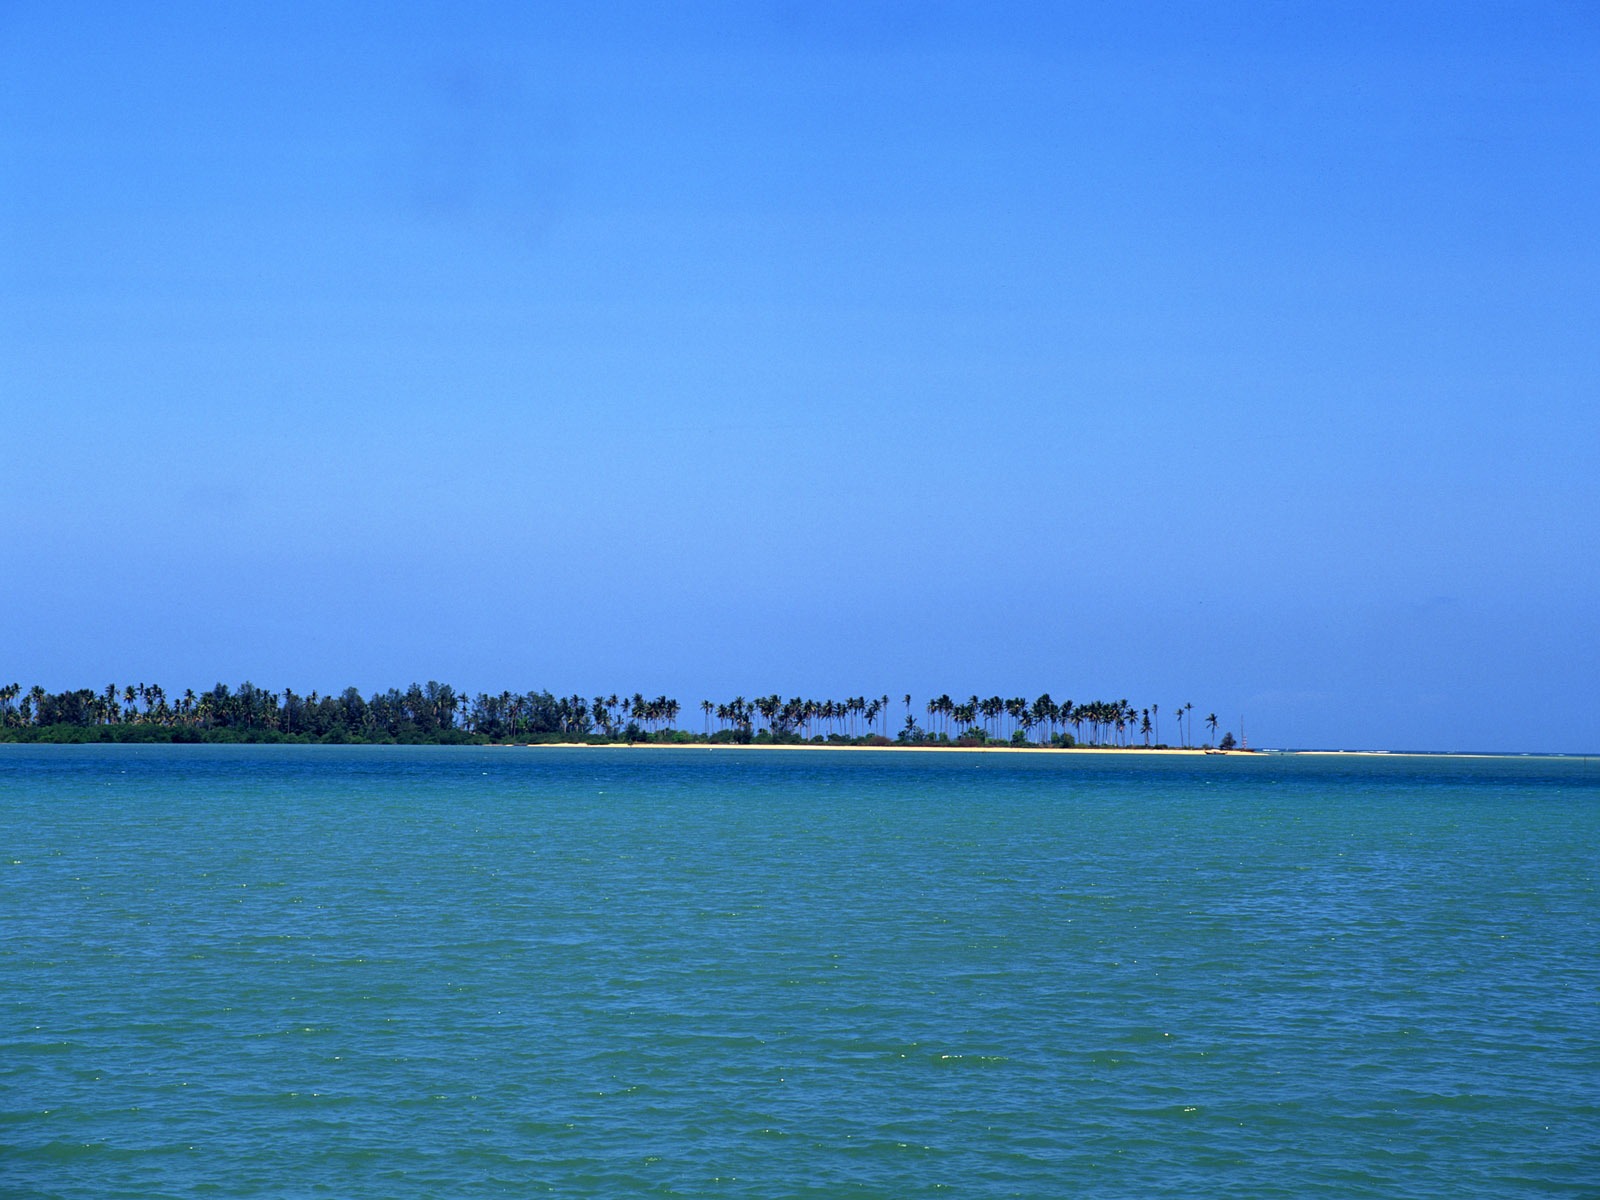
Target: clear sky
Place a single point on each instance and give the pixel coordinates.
(1244, 355)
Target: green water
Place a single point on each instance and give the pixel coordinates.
(361, 972)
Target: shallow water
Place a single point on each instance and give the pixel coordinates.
(363, 972)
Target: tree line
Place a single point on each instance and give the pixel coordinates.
(1042, 721)
(438, 713)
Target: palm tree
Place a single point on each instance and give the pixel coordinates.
(1212, 721)
(966, 716)
(1045, 713)
(1017, 710)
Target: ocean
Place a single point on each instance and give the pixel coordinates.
(454, 972)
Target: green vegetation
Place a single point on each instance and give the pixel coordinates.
(435, 713)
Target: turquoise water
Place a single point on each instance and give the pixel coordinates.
(362, 972)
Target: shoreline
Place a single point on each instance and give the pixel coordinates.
(1132, 751)
(1136, 750)
(1128, 751)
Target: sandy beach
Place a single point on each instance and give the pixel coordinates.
(897, 749)
(1128, 751)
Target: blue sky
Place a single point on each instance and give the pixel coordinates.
(1244, 357)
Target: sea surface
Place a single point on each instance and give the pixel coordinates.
(450, 972)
